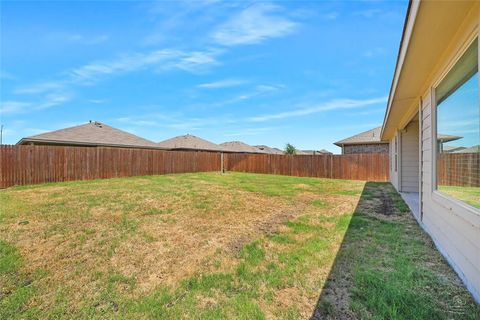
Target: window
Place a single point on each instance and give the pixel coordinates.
(458, 130)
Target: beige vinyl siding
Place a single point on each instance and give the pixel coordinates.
(409, 156)
(393, 173)
(454, 227)
(426, 147)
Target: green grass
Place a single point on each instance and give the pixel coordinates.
(392, 270)
(470, 195)
(212, 246)
(16, 287)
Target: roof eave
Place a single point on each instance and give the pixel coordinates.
(402, 51)
(430, 33)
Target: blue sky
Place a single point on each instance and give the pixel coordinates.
(308, 73)
(461, 124)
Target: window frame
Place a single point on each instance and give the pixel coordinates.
(441, 198)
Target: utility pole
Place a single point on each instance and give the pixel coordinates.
(1, 134)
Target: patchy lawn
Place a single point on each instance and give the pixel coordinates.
(470, 195)
(220, 246)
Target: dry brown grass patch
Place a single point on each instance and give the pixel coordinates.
(191, 228)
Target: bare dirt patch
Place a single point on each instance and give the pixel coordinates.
(267, 227)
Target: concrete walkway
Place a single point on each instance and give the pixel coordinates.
(413, 201)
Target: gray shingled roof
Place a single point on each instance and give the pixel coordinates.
(189, 142)
(269, 150)
(91, 134)
(313, 152)
(368, 137)
(238, 146)
(474, 149)
(324, 151)
(447, 148)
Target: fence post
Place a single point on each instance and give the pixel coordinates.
(331, 165)
(222, 166)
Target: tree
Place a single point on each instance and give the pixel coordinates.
(290, 149)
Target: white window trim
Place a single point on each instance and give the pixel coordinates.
(455, 206)
(458, 208)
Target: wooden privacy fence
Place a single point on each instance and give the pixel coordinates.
(371, 167)
(459, 169)
(22, 165)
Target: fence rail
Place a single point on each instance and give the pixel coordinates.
(23, 165)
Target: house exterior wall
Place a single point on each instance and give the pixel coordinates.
(394, 170)
(409, 158)
(453, 226)
(365, 148)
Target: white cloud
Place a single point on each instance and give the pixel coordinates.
(260, 90)
(270, 87)
(97, 101)
(162, 60)
(330, 16)
(40, 87)
(253, 25)
(368, 13)
(14, 107)
(88, 40)
(328, 106)
(126, 63)
(48, 101)
(365, 112)
(225, 83)
(6, 75)
(177, 121)
(374, 52)
(53, 99)
(196, 61)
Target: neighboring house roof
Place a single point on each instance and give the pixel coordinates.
(189, 142)
(448, 149)
(325, 151)
(312, 152)
(447, 138)
(270, 150)
(91, 134)
(302, 152)
(238, 146)
(368, 137)
(474, 149)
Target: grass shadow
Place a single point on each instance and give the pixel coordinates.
(388, 268)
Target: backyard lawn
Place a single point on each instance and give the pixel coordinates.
(215, 246)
